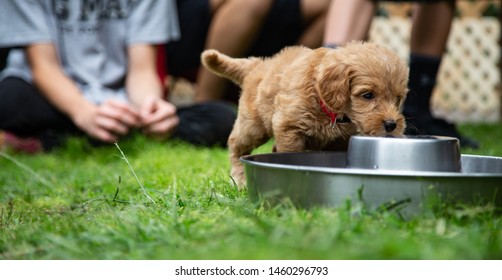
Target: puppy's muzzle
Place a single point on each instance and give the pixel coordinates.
(389, 125)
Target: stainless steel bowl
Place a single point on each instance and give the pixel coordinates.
(420, 153)
(310, 179)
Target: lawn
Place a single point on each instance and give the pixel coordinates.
(85, 203)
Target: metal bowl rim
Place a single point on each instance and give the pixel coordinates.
(434, 138)
(360, 171)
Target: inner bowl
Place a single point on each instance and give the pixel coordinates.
(413, 153)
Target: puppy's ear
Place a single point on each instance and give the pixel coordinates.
(334, 85)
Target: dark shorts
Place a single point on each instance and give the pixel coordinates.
(282, 27)
(3, 57)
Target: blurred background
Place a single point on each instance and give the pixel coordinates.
(469, 83)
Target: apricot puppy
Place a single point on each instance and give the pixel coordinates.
(307, 98)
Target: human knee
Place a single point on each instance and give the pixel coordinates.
(216, 4)
(312, 9)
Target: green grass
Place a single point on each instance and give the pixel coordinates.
(85, 203)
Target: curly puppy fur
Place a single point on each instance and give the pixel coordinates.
(283, 97)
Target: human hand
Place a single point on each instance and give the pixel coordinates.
(108, 121)
(158, 117)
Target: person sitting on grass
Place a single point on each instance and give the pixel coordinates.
(91, 69)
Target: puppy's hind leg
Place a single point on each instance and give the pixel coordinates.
(244, 138)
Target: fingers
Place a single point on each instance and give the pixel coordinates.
(162, 128)
(121, 112)
(157, 111)
(107, 129)
(114, 119)
(104, 135)
(158, 117)
(146, 109)
(90, 122)
(112, 125)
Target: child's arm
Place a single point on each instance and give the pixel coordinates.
(158, 117)
(104, 122)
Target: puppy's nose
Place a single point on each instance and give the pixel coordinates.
(389, 125)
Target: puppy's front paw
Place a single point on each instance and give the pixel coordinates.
(238, 177)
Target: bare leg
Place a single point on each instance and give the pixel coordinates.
(234, 28)
(431, 28)
(348, 20)
(314, 19)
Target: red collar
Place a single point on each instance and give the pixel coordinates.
(330, 114)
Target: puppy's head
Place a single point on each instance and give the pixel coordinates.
(368, 83)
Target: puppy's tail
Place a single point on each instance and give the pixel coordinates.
(234, 69)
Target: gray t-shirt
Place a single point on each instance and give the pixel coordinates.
(91, 37)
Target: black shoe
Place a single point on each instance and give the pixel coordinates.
(429, 125)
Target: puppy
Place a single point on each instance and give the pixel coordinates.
(308, 98)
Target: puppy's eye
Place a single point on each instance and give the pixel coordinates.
(368, 95)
